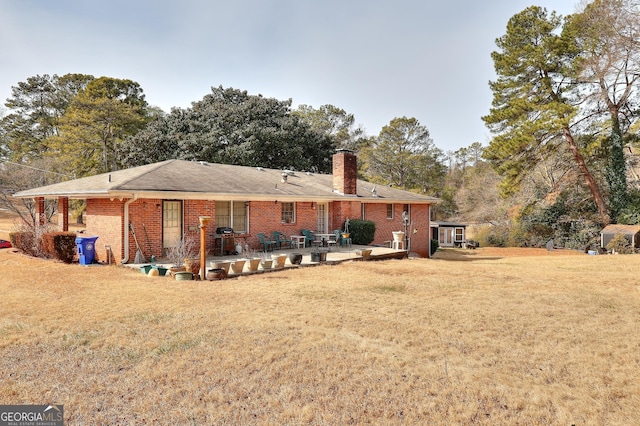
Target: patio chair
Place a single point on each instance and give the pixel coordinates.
(281, 240)
(310, 238)
(335, 240)
(338, 237)
(344, 242)
(267, 245)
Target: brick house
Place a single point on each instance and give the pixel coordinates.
(166, 199)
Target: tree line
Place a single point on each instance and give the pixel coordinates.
(77, 125)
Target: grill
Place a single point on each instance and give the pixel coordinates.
(224, 241)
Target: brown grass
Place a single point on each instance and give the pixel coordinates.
(503, 338)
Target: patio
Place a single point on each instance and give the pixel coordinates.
(334, 255)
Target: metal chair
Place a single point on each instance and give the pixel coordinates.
(281, 240)
(268, 245)
(337, 240)
(310, 238)
(344, 242)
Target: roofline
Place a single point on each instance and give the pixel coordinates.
(175, 195)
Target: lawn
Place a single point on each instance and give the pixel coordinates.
(484, 336)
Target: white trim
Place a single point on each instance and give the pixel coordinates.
(126, 229)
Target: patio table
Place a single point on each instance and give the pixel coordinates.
(326, 238)
(298, 240)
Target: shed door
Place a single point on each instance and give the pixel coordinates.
(171, 223)
(445, 237)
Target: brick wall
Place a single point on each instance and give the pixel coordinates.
(419, 221)
(104, 218)
(419, 233)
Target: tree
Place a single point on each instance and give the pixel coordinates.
(608, 69)
(35, 108)
(16, 177)
(334, 122)
(475, 152)
(96, 123)
(532, 110)
(230, 126)
(478, 199)
(404, 155)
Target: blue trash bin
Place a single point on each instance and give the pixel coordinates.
(86, 249)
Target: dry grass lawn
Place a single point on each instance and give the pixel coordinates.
(522, 337)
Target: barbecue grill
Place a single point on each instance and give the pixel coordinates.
(224, 241)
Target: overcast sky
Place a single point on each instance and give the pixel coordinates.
(375, 59)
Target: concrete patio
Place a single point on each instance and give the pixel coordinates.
(334, 255)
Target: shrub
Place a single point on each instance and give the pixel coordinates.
(59, 245)
(24, 241)
(362, 231)
(494, 236)
(28, 241)
(620, 244)
(434, 246)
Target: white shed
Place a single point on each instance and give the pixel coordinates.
(448, 234)
(631, 232)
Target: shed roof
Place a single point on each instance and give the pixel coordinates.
(617, 228)
(448, 224)
(201, 180)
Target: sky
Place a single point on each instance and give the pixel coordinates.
(375, 59)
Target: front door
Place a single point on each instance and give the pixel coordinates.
(321, 221)
(171, 223)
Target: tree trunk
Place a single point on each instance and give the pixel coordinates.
(588, 177)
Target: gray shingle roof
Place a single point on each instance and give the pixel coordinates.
(200, 180)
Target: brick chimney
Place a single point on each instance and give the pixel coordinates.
(345, 172)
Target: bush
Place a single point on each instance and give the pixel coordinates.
(362, 231)
(59, 245)
(26, 242)
(434, 246)
(620, 244)
(495, 236)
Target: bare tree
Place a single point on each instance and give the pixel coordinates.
(16, 177)
(608, 71)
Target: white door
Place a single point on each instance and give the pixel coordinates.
(171, 223)
(321, 221)
(445, 237)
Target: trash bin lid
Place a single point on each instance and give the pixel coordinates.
(83, 240)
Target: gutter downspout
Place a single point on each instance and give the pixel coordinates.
(126, 228)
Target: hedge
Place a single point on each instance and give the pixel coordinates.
(25, 241)
(60, 245)
(53, 245)
(362, 231)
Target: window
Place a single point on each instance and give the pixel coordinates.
(459, 234)
(288, 213)
(389, 211)
(240, 217)
(232, 214)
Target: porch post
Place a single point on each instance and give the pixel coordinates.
(63, 213)
(41, 216)
(204, 223)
